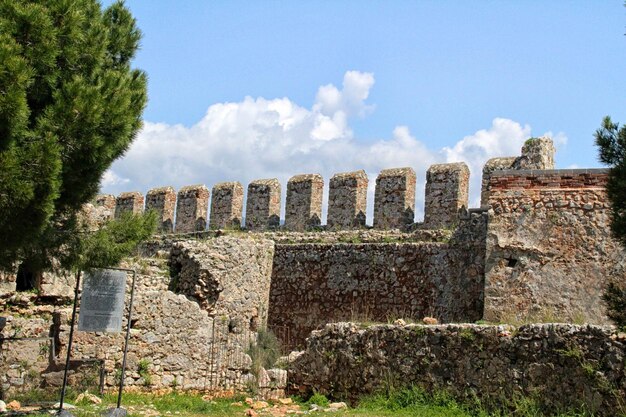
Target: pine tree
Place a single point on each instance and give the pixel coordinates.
(611, 141)
(70, 104)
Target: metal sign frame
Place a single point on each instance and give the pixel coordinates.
(118, 410)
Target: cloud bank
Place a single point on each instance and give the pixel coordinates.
(277, 138)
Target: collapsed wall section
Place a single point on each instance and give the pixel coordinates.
(229, 277)
(549, 248)
(557, 367)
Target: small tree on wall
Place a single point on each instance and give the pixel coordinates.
(611, 141)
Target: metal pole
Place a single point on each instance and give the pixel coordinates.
(130, 316)
(69, 344)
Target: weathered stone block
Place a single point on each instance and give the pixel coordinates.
(163, 201)
(492, 165)
(263, 205)
(8, 281)
(226, 206)
(304, 202)
(192, 208)
(228, 276)
(129, 202)
(394, 199)
(447, 192)
(347, 200)
(106, 200)
(537, 153)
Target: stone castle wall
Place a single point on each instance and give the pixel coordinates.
(538, 250)
(317, 283)
(549, 248)
(557, 366)
(195, 316)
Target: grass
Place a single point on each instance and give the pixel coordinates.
(411, 401)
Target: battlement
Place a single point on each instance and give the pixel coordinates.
(394, 202)
(446, 196)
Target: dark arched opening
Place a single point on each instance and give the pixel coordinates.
(26, 278)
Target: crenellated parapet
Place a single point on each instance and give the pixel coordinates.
(191, 209)
(263, 205)
(303, 210)
(226, 205)
(394, 199)
(347, 200)
(129, 202)
(446, 198)
(447, 193)
(163, 201)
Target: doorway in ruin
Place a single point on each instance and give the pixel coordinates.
(26, 279)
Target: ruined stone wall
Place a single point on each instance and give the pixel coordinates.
(537, 153)
(558, 366)
(549, 249)
(228, 277)
(187, 338)
(314, 284)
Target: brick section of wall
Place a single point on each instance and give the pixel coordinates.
(549, 247)
(163, 201)
(394, 199)
(263, 205)
(557, 178)
(314, 284)
(347, 200)
(492, 165)
(447, 192)
(304, 202)
(192, 208)
(132, 202)
(106, 200)
(226, 206)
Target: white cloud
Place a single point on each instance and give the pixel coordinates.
(111, 179)
(261, 138)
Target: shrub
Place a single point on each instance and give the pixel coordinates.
(615, 298)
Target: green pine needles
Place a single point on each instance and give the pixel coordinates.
(611, 141)
(70, 104)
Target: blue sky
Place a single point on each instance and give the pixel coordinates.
(413, 83)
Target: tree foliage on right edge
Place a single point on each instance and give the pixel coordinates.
(611, 141)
